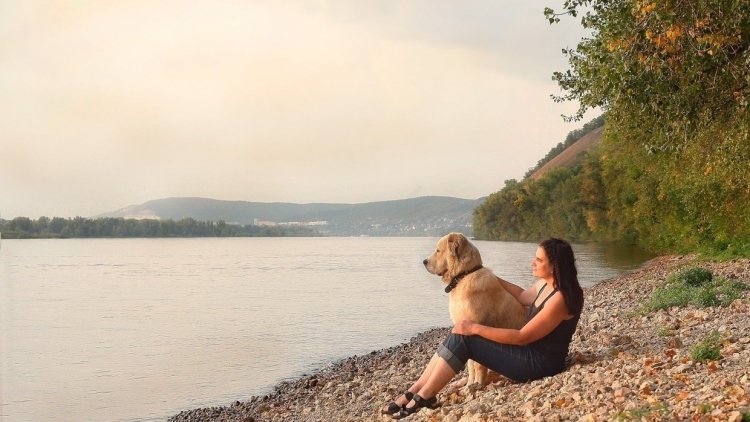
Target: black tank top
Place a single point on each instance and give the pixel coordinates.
(555, 344)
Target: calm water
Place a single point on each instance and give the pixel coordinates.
(140, 329)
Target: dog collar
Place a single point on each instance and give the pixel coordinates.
(456, 279)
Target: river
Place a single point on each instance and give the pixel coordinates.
(140, 329)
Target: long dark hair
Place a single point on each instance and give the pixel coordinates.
(560, 255)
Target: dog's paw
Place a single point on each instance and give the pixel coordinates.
(457, 385)
(473, 388)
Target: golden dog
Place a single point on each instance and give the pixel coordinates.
(475, 293)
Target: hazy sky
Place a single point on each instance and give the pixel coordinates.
(105, 104)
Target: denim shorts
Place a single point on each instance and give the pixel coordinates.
(519, 363)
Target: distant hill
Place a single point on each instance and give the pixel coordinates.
(423, 216)
(572, 154)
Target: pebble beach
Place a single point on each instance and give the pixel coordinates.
(626, 364)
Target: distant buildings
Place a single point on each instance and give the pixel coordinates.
(259, 222)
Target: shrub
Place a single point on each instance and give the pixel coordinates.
(695, 276)
(665, 332)
(669, 296)
(708, 349)
(704, 408)
(695, 286)
(649, 413)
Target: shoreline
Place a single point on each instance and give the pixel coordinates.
(626, 365)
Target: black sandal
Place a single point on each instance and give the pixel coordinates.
(419, 403)
(393, 407)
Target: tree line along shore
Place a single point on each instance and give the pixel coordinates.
(107, 227)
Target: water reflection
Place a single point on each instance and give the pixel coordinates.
(622, 257)
(616, 256)
(597, 261)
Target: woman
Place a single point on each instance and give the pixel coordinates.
(535, 351)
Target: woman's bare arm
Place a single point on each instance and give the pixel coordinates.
(551, 315)
(525, 297)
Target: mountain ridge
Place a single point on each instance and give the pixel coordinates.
(425, 215)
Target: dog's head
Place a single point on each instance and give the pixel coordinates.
(453, 255)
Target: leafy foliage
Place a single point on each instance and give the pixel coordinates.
(531, 210)
(674, 78)
(684, 200)
(671, 173)
(654, 58)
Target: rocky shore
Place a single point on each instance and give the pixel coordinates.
(626, 365)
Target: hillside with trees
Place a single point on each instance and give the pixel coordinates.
(672, 171)
(573, 154)
(558, 153)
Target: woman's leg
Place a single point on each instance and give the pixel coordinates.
(415, 388)
(439, 377)
(519, 363)
(425, 374)
(515, 362)
(449, 360)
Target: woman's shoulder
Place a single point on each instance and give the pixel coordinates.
(557, 301)
(537, 284)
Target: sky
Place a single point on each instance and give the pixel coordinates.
(106, 104)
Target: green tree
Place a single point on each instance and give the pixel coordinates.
(674, 80)
(56, 225)
(21, 224)
(672, 65)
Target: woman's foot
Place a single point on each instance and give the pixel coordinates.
(416, 404)
(396, 406)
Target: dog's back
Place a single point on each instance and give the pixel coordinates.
(480, 297)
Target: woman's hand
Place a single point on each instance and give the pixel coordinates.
(465, 327)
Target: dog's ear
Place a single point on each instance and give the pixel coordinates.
(456, 242)
(466, 254)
